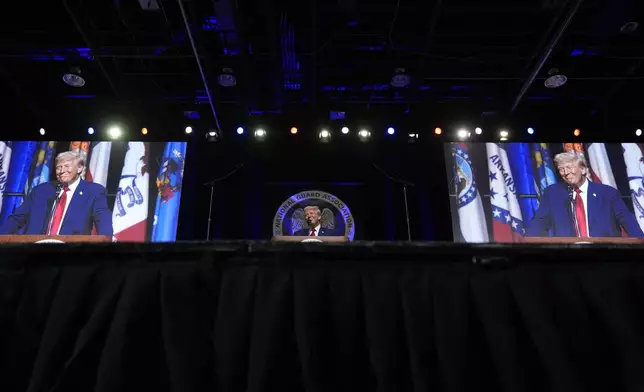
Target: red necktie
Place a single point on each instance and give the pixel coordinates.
(58, 214)
(580, 211)
(312, 233)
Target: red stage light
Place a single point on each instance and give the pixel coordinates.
(438, 131)
(577, 132)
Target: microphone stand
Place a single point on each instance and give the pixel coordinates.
(404, 184)
(211, 183)
(571, 200)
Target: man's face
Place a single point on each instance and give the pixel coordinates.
(573, 173)
(68, 171)
(312, 217)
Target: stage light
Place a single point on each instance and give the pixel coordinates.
(638, 132)
(144, 131)
(504, 134)
(390, 131)
(577, 132)
(530, 131)
(345, 130)
(478, 131)
(293, 131)
(114, 132)
(364, 135)
(240, 131)
(42, 131)
(438, 131)
(411, 138)
(90, 130)
(260, 133)
(188, 130)
(462, 133)
(212, 135)
(324, 134)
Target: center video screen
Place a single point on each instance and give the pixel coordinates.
(504, 192)
(125, 191)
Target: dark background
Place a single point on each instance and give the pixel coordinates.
(245, 203)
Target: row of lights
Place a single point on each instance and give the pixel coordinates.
(503, 134)
(324, 134)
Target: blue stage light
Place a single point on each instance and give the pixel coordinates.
(90, 130)
(391, 131)
(240, 131)
(531, 131)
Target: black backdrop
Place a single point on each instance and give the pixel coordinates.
(246, 202)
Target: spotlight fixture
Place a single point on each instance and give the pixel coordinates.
(144, 131)
(463, 134)
(478, 130)
(73, 78)
(555, 79)
(576, 132)
(226, 78)
(345, 130)
(438, 131)
(240, 130)
(412, 137)
(212, 135)
(400, 78)
(42, 131)
(638, 132)
(364, 135)
(293, 131)
(530, 131)
(390, 131)
(325, 136)
(260, 133)
(188, 130)
(114, 132)
(90, 131)
(504, 133)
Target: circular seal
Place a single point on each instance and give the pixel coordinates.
(464, 176)
(49, 242)
(336, 215)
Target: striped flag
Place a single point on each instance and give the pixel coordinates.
(169, 184)
(471, 216)
(81, 148)
(5, 161)
(130, 214)
(507, 220)
(99, 162)
(600, 168)
(634, 160)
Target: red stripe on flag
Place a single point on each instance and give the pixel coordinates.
(594, 177)
(134, 233)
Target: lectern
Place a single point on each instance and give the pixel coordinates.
(286, 238)
(53, 239)
(577, 240)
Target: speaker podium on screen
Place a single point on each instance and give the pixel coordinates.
(67, 189)
(506, 192)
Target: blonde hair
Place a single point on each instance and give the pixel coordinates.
(570, 157)
(315, 208)
(70, 156)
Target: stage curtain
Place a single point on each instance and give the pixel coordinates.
(138, 319)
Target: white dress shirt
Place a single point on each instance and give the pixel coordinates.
(317, 231)
(584, 197)
(70, 193)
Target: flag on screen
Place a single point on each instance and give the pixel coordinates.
(5, 161)
(545, 169)
(507, 221)
(130, 214)
(600, 168)
(470, 207)
(83, 149)
(22, 156)
(519, 155)
(169, 182)
(634, 160)
(99, 162)
(44, 162)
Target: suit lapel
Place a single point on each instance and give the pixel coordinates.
(77, 200)
(594, 201)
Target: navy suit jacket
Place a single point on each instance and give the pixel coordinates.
(607, 213)
(88, 207)
(323, 233)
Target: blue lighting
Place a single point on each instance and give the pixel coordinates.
(240, 131)
(531, 131)
(90, 130)
(391, 131)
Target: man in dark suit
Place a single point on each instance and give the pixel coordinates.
(580, 208)
(68, 206)
(312, 216)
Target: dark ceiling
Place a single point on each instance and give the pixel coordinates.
(306, 58)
